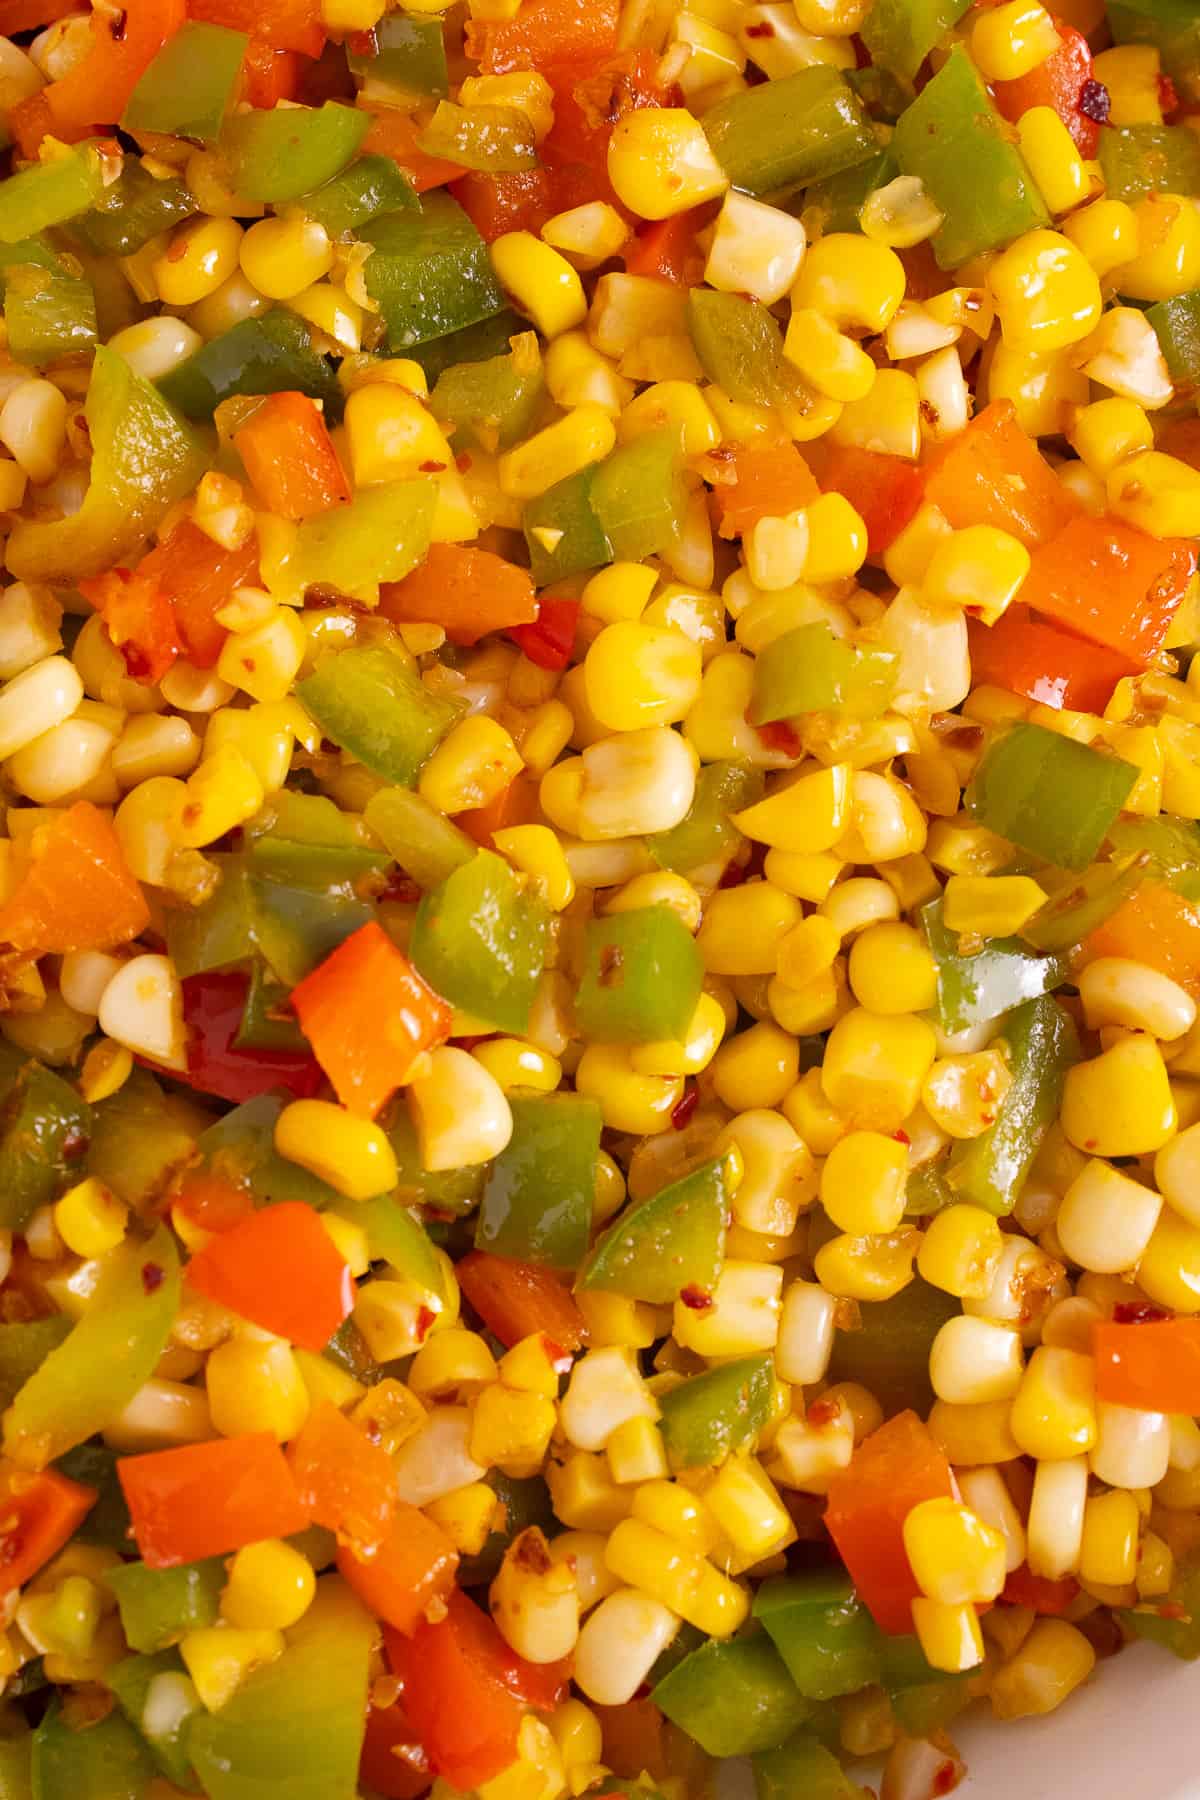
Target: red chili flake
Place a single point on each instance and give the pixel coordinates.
(431, 468)
(463, 461)
(75, 1145)
(823, 1412)
(779, 735)
(560, 1359)
(1168, 99)
(732, 875)
(696, 1299)
(363, 43)
(901, 1136)
(1094, 102)
(1139, 1312)
(765, 30)
(153, 1276)
(686, 1107)
(946, 1777)
(400, 886)
(425, 1321)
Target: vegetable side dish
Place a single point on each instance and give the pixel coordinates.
(599, 889)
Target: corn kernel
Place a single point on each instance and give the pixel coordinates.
(219, 1658)
(1168, 254)
(828, 360)
(255, 1386)
(660, 163)
(1053, 1661)
(676, 1577)
(1131, 73)
(1012, 40)
(352, 1155)
(510, 1430)
(270, 1587)
(542, 282)
(863, 1183)
(1047, 294)
(90, 1219)
(1120, 1103)
(1105, 233)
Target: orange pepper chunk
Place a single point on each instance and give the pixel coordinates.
(78, 892)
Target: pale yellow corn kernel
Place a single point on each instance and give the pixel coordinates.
(579, 375)
(1177, 1174)
(254, 1385)
(620, 1643)
(985, 1492)
(259, 735)
(660, 163)
(265, 661)
(351, 1154)
(777, 1179)
(638, 676)
(153, 347)
(331, 310)
(855, 283)
(1168, 255)
(282, 257)
(223, 792)
(394, 1317)
(806, 1449)
(1108, 431)
(910, 552)
(202, 254)
(1120, 1103)
(1105, 233)
(391, 435)
(775, 550)
(663, 888)
(887, 419)
(142, 823)
(714, 58)
(867, 1268)
(955, 1558)
(583, 436)
(1124, 355)
(219, 1658)
(106, 1068)
(636, 1452)
(678, 1513)
(874, 1067)
(690, 1054)
(90, 1219)
(949, 1635)
(460, 1111)
(1156, 492)
(678, 1578)
(270, 1587)
(452, 1365)
(606, 1390)
(1169, 1271)
(1117, 991)
(863, 1183)
(743, 928)
(975, 1361)
(142, 1008)
(1131, 72)
(742, 1316)
(960, 1252)
(674, 405)
(474, 763)
(619, 593)
(510, 1430)
(195, 690)
(1012, 40)
(828, 360)
(891, 970)
(901, 214)
(1052, 159)
(756, 249)
(1054, 1412)
(832, 18)
(466, 1516)
(585, 1496)
(979, 569)
(541, 282)
(964, 1093)
(886, 823)
(1052, 1662)
(1047, 294)
(587, 235)
(535, 1600)
(855, 905)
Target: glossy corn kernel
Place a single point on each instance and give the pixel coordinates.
(510, 1430)
(856, 284)
(975, 1361)
(542, 282)
(282, 257)
(755, 1067)
(867, 1268)
(142, 1008)
(1109, 1550)
(1168, 253)
(1156, 492)
(743, 928)
(741, 1315)
(756, 249)
(270, 1587)
(1053, 1661)
(1012, 40)
(390, 435)
(1105, 233)
(472, 765)
(582, 436)
(1169, 1271)
(620, 1643)
(351, 1154)
(1054, 1412)
(960, 1251)
(956, 1559)
(219, 1658)
(1119, 1103)
(677, 1578)
(1047, 294)
(90, 1219)
(891, 970)
(863, 1183)
(638, 675)
(256, 1385)
(1131, 74)
(874, 1067)
(979, 569)
(1124, 355)
(200, 257)
(636, 1452)
(949, 1635)
(587, 235)
(460, 1111)
(1052, 159)
(828, 360)
(660, 163)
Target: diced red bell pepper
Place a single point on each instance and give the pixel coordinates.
(515, 1299)
(210, 1201)
(456, 1693)
(768, 481)
(139, 619)
(213, 1005)
(78, 892)
(269, 75)
(38, 1514)
(667, 249)
(413, 1566)
(991, 473)
(885, 491)
(468, 592)
(549, 640)
(1181, 439)
(1058, 83)
(1111, 583)
(279, 1269)
(208, 1499)
(591, 93)
(892, 1470)
(286, 24)
(1028, 655)
(516, 200)
(345, 1481)
(1155, 926)
(395, 134)
(290, 459)
(198, 576)
(1038, 1592)
(1155, 1366)
(124, 44)
(543, 31)
(393, 1762)
(517, 804)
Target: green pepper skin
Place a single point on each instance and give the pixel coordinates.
(257, 356)
(136, 1144)
(107, 1524)
(890, 1352)
(953, 138)
(158, 1606)
(802, 1767)
(825, 1635)
(241, 1147)
(539, 1192)
(639, 496)
(16, 1766)
(130, 1681)
(739, 344)
(376, 706)
(430, 273)
(293, 925)
(266, 1022)
(480, 939)
(24, 1347)
(496, 140)
(284, 152)
(470, 344)
(642, 976)
(562, 530)
(901, 33)
(734, 1698)
(1148, 159)
(1043, 1044)
(706, 836)
(426, 844)
(973, 989)
(367, 187)
(1179, 1633)
(187, 89)
(453, 1191)
(44, 1131)
(1177, 323)
(492, 404)
(841, 198)
(526, 1501)
(395, 1237)
(673, 1240)
(409, 57)
(381, 536)
(105, 1761)
(128, 214)
(49, 193)
(1049, 795)
(809, 670)
(50, 315)
(785, 133)
(710, 1415)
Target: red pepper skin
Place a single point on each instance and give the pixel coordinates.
(139, 619)
(1153, 1366)
(213, 1005)
(550, 639)
(1058, 83)
(1029, 655)
(1049, 1598)
(208, 1499)
(278, 1268)
(884, 490)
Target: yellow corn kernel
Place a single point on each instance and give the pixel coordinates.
(743, 928)
(466, 1516)
(677, 1513)
(689, 1055)
(1045, 388)
(1109, 1553)
(255, 1385)
(333, 312)
(955, 1558)
(510, 1430)
(1156, 492)
(992, 905)
(1053, 161)
(636, 1452)
(541, 281)
(452, 1365)
(979, 569)
(863, 1183)
(1012, 40)
(1120, 1103)
(808, 950)
(874, 1067)
(579, 375)
(585, 1496)
(963, 1094)
(474, 763)
(1047, 294)
(612, 1319)
(837, 540)
(106, 1068)
(1105, 232)
(901, 213)
(322, 1378)
(219, 1658)
(960, 1252)
(629, 1101)
(888, 419)
(264, 739)
(535, 1601)
(1107, 432)
(1054, 1412)
(867, 1268)
(90, 1219)
(201, 255)
(678, 1578)
(742, 1314)
(587, 235)
(582, 436)
(756, 1067)
(660, 163)
(1169, 1271)
(974, 1435)
(460, 1112)
(807, 815)
(352, 1155)
(1155, 1567)
(524, 91)
(746, 1505)
(810, 876)
(675, 405)
(949, 1634)
(537, 852)
(223, 792)
(890, 969)
(619, 592)
(856, 284)
(282, 257)
(390, 435)
(265, 661)
(1168, 254)
(829, 361)
(756, 249)
(1131, 72)
(638, 675)
(270, 1587)
(1052, 1662)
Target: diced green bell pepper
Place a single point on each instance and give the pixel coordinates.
(810, 670)
(739, 344)
(102, 1761)
(426, 844)
(799, 128)
(374, 705)
(1048, 794)
(825, 1635)
(496, 140)
(311, 862)
(137, 1144)
(381, 536)
(369, 186)
(134, 209)
(1168, 848)
(145, 457)
(448, 1191)
(49, 193)
(267, 1020)
(241, 1148)
(840, 199)
(672, 1241)
(1042, 1045)
(395, 1237)
(706, 835)
(109, 1355)
(802, 1767)
(1178, 1628)
(347, 1349)
(493, 403)
(562, 530)
(480, 940)
(50, 315)
(642, 976)
(734, 1698)
(293, 925)
(24, 1347)
(953, 138)
(708, 1416)
(973, 989)
(409, 57)
(258, 356)
(639, 497)
(294, 1729)
(1148, 159)
(429, 272)
(473, 343)
(1173, 26)
(162, 1729)
(923, 1698)
(1079, 906)
(107, 1524)
(889, 1353)
(16, 1766)
(290, 150)
(901, 33)
(44, 1131)
(1177, 324)
(33, 250)
(186, 90)
(158, 1606)
(539, 1192)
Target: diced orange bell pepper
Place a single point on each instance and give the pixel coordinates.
(1153, 1366)
(38, 1514)
(31, 15)
(290, 459)
(468, 592)
(1111, 583)
(591, 93)
(78, 892)
(1028, 655)
(634, 1738)
(392, 1763)
(516, 200)
(891, 1471)
(30, 121)
(346, 1482)
(269, 75)
(395, 134)
(769, 480)
(286, 24)
(515, 1299)
(199, 576)
(413, 1567)
(517, 804)
(1038, 1592)
(139, 619)
(1181, 439)
(456, 1692)
(211, 1202)
(278, 1268)
(885, 491)
(1155, 926)
(1059, 83)
(369, 1015)
(544, 31)
(209, 1499)
(124, 44)
(993, 474)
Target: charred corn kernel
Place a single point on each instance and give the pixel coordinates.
(606, 1390)
(742, 1314)
(510, 1430)
(867, 1268)
(949, 1635)
(828, 360)
(142, 1008)
(863, 1183)
(1053, 1661)
(201, 255)
(678, 1578)
(1052, 159)
(756, 249)
(1124, 355)
(638, 676)
(1168, 254)
(1108, 431)
(1109, 1550)
(270, 1587)
(219, 1658)
(255, 1385)
(1105, 233)
(265, 660)
(1054, 1412)
(587, 235)
(466, 1516)
(856, 284)
(636, 1452)
(1120, 1103)
(452, 1365)
(743, 928)
(620, 1643)
(473, 764)
(755, 1067)
(585, 1496)
(460, 1111)
(390, 435)
(675, 405)
(1012, 40)
(809, 814)
(582, 436)
(1131, 72)
(979, 569)
(535, 1600)
(956, 1559)
(90, 1219)
(352, 1155)
(960, 1252)
(1177, 1174)
(542, 282)
(1047, 294)
(282, 257)
(1156, 492)
(660, 163)
(874, 1067)
(973, 1361)
(1169, 1271)
(890, 969)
